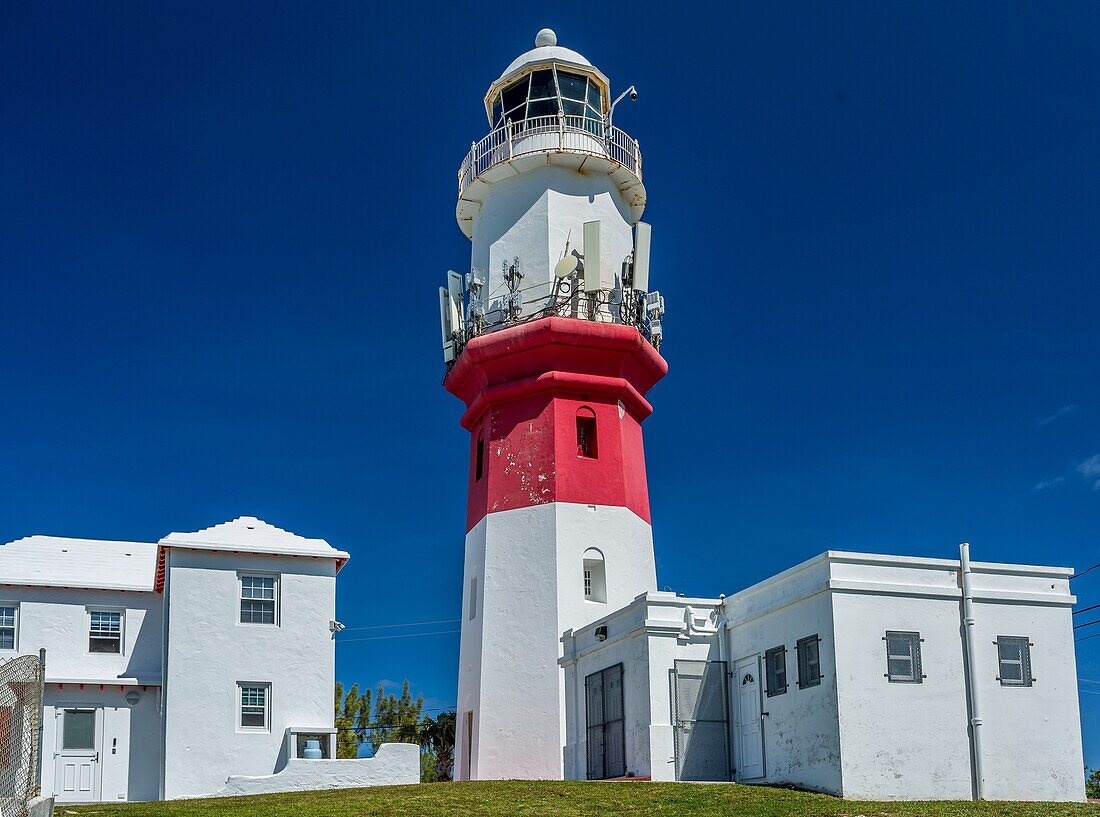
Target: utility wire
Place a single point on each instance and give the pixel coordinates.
(1085, 609)
(402, 635)
(1086, 570)
(1085, 637)
(411, 624)
(1086, 624)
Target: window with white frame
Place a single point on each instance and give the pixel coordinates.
(903, 664)
(255, 711)
(259, 599)
(105, 631)
(8, 613)
(1014, 661)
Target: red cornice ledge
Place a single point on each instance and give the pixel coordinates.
(558, 355)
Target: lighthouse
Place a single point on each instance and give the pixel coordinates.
(551, 340)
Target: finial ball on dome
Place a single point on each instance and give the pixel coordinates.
(546, 37)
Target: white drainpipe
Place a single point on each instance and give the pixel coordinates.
(971, 671)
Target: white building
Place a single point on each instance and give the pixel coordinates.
(172, 665)
(850, 674)
(860, 675)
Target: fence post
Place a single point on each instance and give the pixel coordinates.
(37, 785)
(561, 131)
(508, 125)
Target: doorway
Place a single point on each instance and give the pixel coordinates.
(700, 700)
(76, 765)
(750, 720)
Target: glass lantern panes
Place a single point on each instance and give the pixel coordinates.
(546, 93)
(257, 599)
(105, 631)
(7, 628)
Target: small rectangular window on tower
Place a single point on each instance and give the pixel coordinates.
(586, 434)
(480, 459)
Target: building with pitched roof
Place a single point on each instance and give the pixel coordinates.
(173, 665)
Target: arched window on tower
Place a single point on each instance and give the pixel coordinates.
(586, 433)
(479, 465)
(595, 576)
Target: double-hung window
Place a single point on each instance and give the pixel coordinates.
(1014, 661)
(8, 612)
(105, 631)
(259, 599)
(775, 662)
(903, 664)
(255, 712)
(809, 661)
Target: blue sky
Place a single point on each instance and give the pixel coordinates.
(222, 226)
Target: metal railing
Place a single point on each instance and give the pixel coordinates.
(544, 134)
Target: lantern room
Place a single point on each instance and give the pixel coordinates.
(548, 80)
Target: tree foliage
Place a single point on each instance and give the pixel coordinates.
(389, 718)
(437, 737)
(353, 715)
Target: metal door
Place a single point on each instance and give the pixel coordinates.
(604, 715)
(701, 700)
(76, 764)
(750, 725)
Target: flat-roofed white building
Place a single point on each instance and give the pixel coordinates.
(852, 674)
(172, 665)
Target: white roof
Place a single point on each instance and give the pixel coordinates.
(247, 534)
(58, 561)
(546, 53)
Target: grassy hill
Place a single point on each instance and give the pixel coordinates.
(566, 799)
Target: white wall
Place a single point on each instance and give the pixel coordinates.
(902, 740)
(531, 216)
(394, 764)
(1031, 735)
(128, 738)
(57, 618)
(209, 652)
(646, 637)
(801, 738)
(531, 589)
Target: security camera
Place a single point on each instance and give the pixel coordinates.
(633, 96)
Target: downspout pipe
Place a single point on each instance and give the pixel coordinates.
(971, 641)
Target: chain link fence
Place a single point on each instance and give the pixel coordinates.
(20, 733)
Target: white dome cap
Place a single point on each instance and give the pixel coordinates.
(546, 50)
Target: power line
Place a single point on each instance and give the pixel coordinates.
(1085, 637)
(412, 624)
(402, 635)
(1086, 624)
(1085, 609)
(1083, 572)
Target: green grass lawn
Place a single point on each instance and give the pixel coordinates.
(564, 799)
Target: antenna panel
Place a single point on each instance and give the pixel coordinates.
(454, 287)
(446, 324)
(591, 256)
(642, 235)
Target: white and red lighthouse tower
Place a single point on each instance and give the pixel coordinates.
(552, 345)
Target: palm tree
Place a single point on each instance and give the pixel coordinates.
(437, 735)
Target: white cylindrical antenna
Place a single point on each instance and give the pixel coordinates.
(591, 256)
(642, 233)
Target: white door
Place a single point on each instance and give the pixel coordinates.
(750, 727)
(76, 762)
